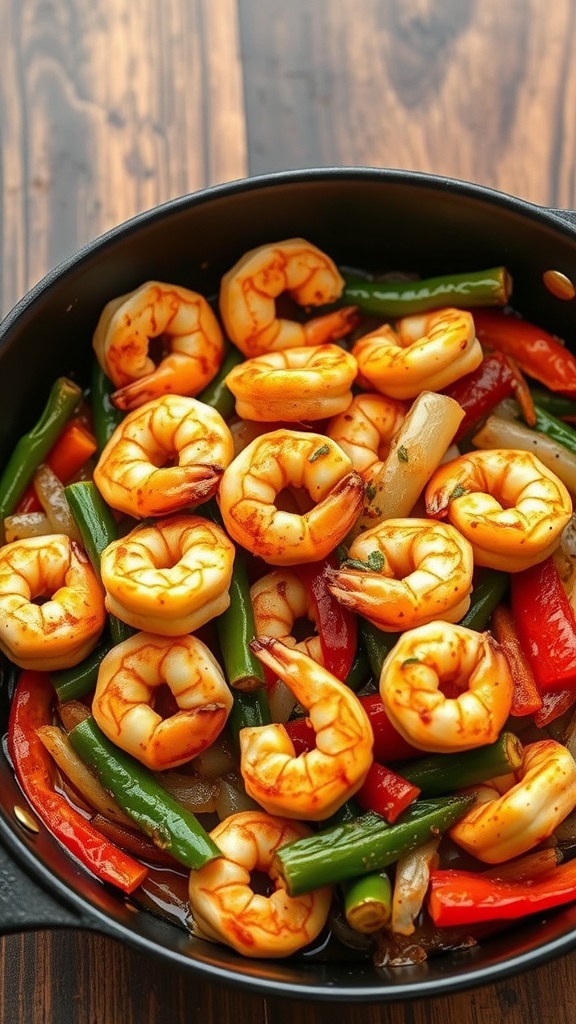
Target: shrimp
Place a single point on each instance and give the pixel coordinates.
(438, 658)
(406, 572)
(184, 321)
(509, 506)
(169, 578)
(168, 454)
(316, 783)
(501, 826)
(296, 384)
(425, 351)
(279, 599)
(272, 462)
(123, 703)
(365, 430)
(249, 290)
(226, 909)
(62, 630)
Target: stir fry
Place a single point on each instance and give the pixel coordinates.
(288, 598)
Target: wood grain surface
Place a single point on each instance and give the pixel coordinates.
(108, 107)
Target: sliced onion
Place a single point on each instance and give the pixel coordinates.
(215, 761)
(281, 701)
(27, 524)
(78, 773)
(416, 451)
(232, 797)
(50, 492)
(499, 432)
(191, 791)
(411, 885)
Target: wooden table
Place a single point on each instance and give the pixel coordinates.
(111, 106)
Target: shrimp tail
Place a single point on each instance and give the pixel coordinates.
(331, 326)
(176, 374)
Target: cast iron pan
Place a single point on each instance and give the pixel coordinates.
(369, 218)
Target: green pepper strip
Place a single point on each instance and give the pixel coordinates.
(435, 775)
(75, 683)
(364, 845)
(398, 298)
(217, 393)
(141, 796)
(360, 670)
(561, 406)
(368, 902)
(105, 415)
(376, 644)
(98, 529)
(487, 594)
(33, 447)
(555, 429)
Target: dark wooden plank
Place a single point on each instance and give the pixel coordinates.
(107, 110)
(480, 91)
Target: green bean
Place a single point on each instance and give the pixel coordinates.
(236, 629)
(488, 592)
(216, 393)
(97, 528)
(105, 415)
(399, 298)
(436, 774)
(364, 845)
(142, 798)
(33, 447)
(368, 902)
(376, 643)
(75, 683)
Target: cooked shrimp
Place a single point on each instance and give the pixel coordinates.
(501, 826)
(425, 351)
(249, 291)
(296, 384)
(406, 572)
(430, 661)
(366, 428)
(272, 462)
(186, 324)
(279, 599)
(163, 457)
(226, 909)
(128, 679)
(169, 578)
(313, 785)
(51, 603)
(510, 507)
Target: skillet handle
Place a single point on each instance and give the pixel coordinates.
(25, 905)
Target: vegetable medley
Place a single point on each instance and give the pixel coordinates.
(288, 595)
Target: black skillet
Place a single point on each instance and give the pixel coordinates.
(370, 218)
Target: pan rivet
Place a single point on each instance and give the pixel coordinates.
(560, 285)
(25, 818)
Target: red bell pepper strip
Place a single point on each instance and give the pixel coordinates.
(337, 626)
(69, 453)
(302, 734)
(554, 704)
(389, 745)
(545, 625)
(385, 792)
(537, 352)
(526, 697)
(478, 392)
(34, 770)
(465, 897)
